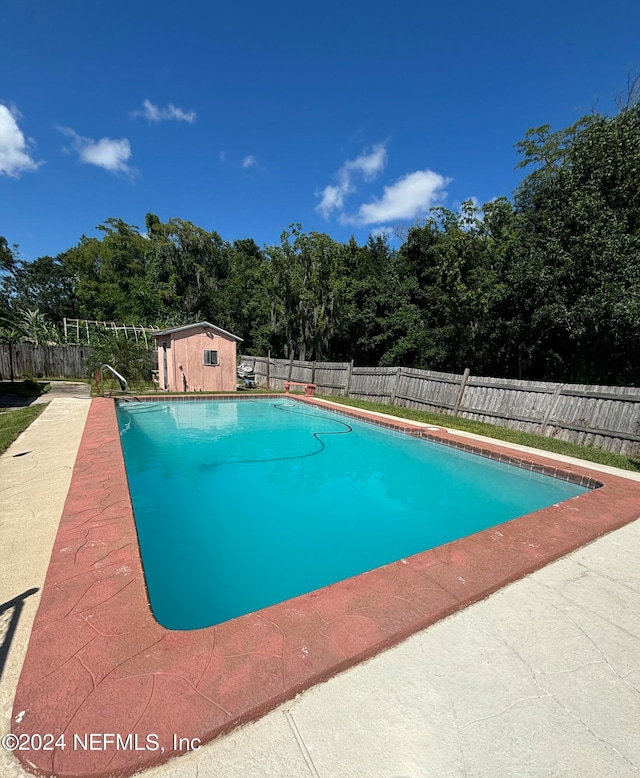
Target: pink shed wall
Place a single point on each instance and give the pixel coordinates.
(187, 348)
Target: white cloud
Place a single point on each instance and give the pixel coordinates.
(366, 165)
(153, 114)
(383, 231)
(112, 155)
(249, 161)
(411, 196)
(222, 156)
(332, 199)
(370, 165)
(107, 153)
(14, 148)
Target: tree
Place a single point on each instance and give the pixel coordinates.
(376, 318)
(111, 276)
(577, 266)
(188, 265)
(46, 285)
(8, 258)
(305, 292)
(446, 264)
(243, 305)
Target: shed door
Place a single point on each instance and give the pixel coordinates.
(164, 365)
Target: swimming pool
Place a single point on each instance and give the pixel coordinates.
(96, 646)
(241, 504)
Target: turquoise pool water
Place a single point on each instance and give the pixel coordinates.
(241, 504)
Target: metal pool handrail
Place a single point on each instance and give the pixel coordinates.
(121, 379)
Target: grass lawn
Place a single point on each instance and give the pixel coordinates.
(589, 453)
(12, 423)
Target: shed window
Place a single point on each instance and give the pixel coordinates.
(210, 357)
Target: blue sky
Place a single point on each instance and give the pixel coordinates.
(347, 117)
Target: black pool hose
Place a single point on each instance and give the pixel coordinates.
(297, 456)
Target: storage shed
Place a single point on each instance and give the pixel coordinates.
(197, 358)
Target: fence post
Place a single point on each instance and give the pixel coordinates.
(395, 386)
(268, 368)
(348, 382)
(290, 366)
(551, 408)
(313, 372)
(463, 386)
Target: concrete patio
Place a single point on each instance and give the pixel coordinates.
(540, 679)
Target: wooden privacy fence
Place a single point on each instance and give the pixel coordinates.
(34, 361)
(31, 361)
(604, 416)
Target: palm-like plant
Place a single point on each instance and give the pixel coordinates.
(130, 359)
(37, 328)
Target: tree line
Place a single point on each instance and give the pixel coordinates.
(543, 285)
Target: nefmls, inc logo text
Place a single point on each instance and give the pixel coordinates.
(95, 741)
(103, 741)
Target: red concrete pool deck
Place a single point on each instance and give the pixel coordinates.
(99, 664)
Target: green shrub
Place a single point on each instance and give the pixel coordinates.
(130, 358)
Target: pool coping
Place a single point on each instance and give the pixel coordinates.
(98, 662)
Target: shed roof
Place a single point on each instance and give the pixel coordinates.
(204, 324)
